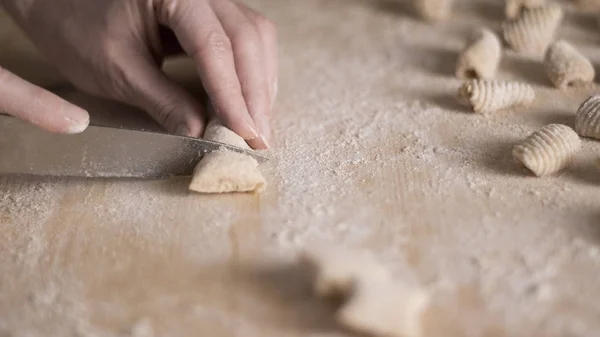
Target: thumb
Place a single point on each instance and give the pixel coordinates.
(168, 103)
(33, 104)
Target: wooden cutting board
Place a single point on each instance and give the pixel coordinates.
(370, 151)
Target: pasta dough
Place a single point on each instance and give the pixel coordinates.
(514, 7)
(534, 30)
(488, 96)
(548, 150)
(336, 270)
(433, 10)
(372, 302)
(224, 171)
(565, 66)
(587, 119)
(481, 57)
(385, 309)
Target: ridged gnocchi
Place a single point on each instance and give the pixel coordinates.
(481, 57)
(548, 150)
(485, 96)
(534, 30)
(587, 119)
(566, 66)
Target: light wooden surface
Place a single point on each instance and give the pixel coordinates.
(370, 151)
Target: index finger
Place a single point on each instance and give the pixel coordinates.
(203, 38)
(38, 106)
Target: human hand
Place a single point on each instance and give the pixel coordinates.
(115, 48)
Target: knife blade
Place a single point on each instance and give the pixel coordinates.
(101, 151)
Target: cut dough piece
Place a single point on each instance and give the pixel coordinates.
(217, 132)
(481, 57)
(337, 270)
(385, 309)
(372, 302)
(225, 171)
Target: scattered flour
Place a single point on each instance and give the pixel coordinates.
(371, 152)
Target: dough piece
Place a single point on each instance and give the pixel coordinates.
(434, 10)
(566, 67)
(534, 30)
(548, 150)
(587, 119)
(336, 270)
(488, 96)
(385, 309)
(225, 171)
(515, 7)
(481, 57)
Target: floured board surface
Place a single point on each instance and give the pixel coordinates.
(370, 151)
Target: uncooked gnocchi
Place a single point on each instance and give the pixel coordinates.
(225, 171)
(336, 270)
(372, 302)
(548, 150)
(433, 10)
(485, 96)
(481, 57)
(565, 66)
(514, 7)
(390, 309)
(587, 119)
(534, 30)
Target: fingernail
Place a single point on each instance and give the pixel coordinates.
(251, 127)
(265, 130)
(183, 130)
(77, 119)
(265, 141)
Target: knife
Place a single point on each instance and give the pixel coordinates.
(101, 151)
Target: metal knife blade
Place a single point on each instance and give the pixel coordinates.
(101, 151)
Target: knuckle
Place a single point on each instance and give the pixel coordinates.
(164, 111)
(266, 27)
(166, 10)
(226, 90)
(247, 38)
(217, 42)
